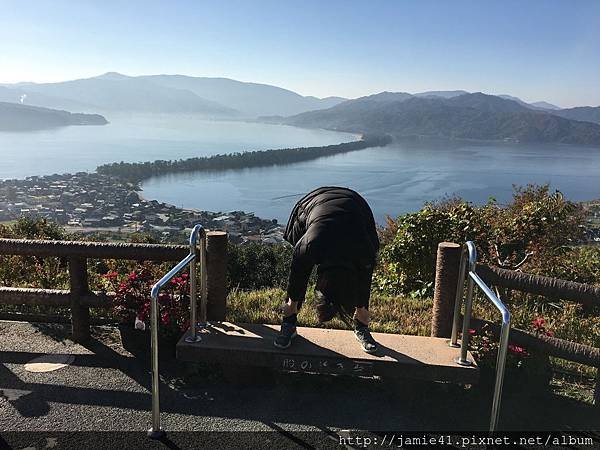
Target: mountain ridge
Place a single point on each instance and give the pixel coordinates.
(468, 116)
(216, 97)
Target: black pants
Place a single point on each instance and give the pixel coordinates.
(347, 283)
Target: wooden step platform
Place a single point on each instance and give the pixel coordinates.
(318, 350)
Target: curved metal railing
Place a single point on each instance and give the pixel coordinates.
(198, 231)
(469, 258)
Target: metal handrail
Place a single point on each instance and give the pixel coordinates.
(470, 254)
(156, 432)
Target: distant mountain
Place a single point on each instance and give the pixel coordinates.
(19, 94)
(176, 94)
(581, 113)
(349, 108)
(545, 105)
(251, 99)
(114, 92)
(18, 117)
(487, 103)
(467, 116)
(443, 94)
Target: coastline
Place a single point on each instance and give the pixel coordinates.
(88, 202)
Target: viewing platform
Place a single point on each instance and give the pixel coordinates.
(319, 350)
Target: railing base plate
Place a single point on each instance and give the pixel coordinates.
(450, 344)
(156, 434)
(463, 362)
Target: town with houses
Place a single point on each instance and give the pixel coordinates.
(86, 203)
(90, 202)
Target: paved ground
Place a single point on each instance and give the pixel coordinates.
(106, 389)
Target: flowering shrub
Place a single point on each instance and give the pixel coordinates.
(484, 348)
(131, 301)
(539, 326)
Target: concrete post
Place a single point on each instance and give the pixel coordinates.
(216, 265)
(446, 278)
(80, 315)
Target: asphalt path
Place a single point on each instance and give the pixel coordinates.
(102, 399)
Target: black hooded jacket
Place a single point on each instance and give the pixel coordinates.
(333, 226)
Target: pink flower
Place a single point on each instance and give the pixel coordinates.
(111, 275)
(164, 318)
(472, 332)
(132, 276)
(549, 333)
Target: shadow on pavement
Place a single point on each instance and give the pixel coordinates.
(322, 401)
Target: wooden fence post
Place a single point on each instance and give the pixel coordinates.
(597, 390)
(446, 278)
(216, 268)
(80, 315)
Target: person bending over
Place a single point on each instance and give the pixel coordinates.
(333, 229)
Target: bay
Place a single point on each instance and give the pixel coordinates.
(395, 179)
(138, 138)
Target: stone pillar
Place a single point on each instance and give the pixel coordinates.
(216, 268)
(446, 278)
(80, 315)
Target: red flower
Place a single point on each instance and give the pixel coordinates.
(472, 332)
(517, 350)
(538, 323)
(164, 318)
(132, 276)
(111, 275)
(549, 333)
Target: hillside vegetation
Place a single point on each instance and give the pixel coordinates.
(468, 116)
(581, 113)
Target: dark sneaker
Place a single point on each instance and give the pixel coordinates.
(363, 335)
(287, 333)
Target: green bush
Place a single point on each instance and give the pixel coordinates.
(538, 226)
(407, 262)
(256, 266)
(33, 271)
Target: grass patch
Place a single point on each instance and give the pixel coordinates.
(389, 314)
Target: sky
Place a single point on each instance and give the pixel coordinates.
(534, 49)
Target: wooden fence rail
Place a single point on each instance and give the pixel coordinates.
(586, 294)
(79, 297)
(98, 250)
